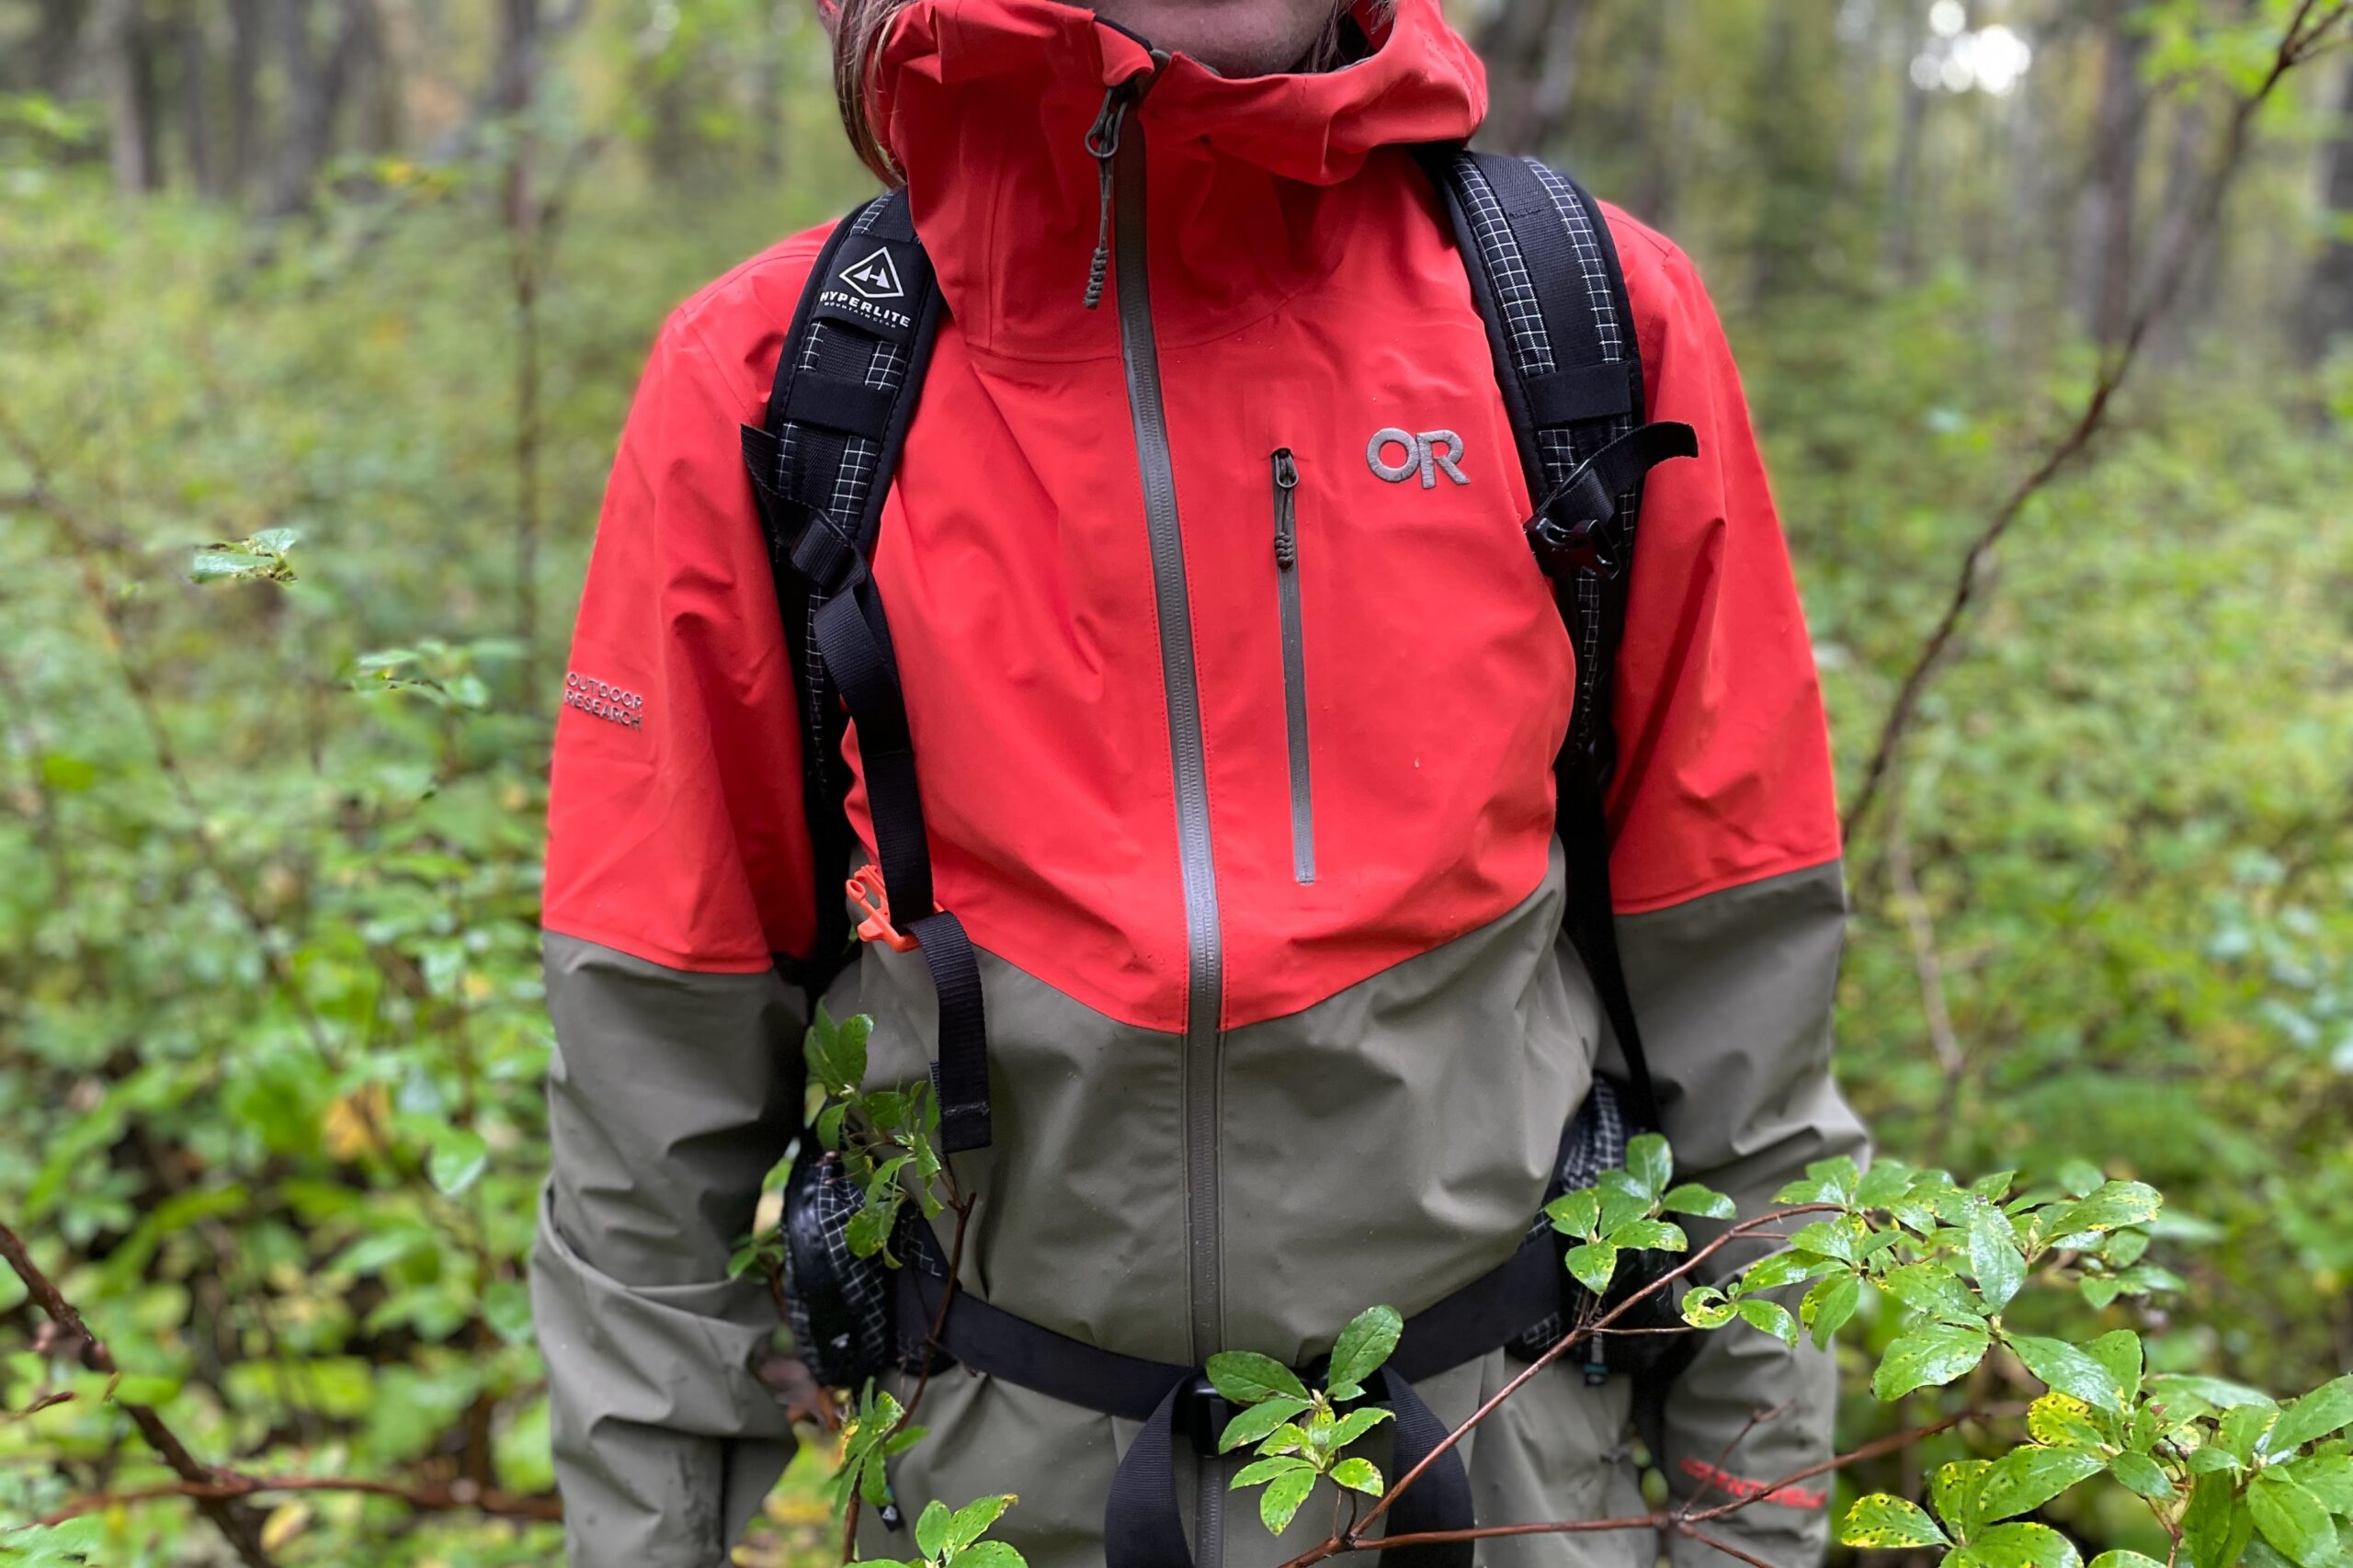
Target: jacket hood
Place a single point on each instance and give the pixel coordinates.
(985, 105)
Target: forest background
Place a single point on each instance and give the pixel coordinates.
(360, 288)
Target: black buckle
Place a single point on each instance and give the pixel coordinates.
(1583, 548)
(1201, 1415)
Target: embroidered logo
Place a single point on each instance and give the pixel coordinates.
(602, 700)
(874, 275)
(1427, 454)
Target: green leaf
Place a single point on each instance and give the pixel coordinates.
(2025, 1479)
(2119, 1352)
(1649, 1235)
(1649, 1161)
(2020, 1546)
(1704, 1307)
(2124, 1560)
(1954, 1488)
(2292, 1520)
(1883, 1184)
(1931, 1288)
(1246, 1378)
(1881, 1521)
(1701, 1202)
(1829, 1238)
(1993, 1255)
(1773, 1318)
(1258, 1421)
(973, 1520)
(2069, 1371)
(1829, 1304)
(2110, 1206)
(1357, 1475)
(990, 1554)
(1593, 1263)
(1623, 1201)
(459, 1157)
(2242, 1428)
(1575, 1213)
(2186, 1395)
(931, 1529)
(1928, 1356)
(2142, 1474)
(2060, 1420)
(1266, 1468)
(2328, 1477)
(1282, 1497)
(1357, 1423)
(2325, 1410)
(1365, 1345)
(2216, 1526)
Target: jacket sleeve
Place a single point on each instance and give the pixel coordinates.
(1725, 868)
(677, 864)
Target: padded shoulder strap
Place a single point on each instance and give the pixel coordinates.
(1544, 272)
(847, 384)
(847, 380)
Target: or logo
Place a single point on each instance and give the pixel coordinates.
(1425, 454)
(874, 276)
(602, 700)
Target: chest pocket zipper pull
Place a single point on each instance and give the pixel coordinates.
(1294, 642)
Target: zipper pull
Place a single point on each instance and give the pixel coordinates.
(1286, 510)
(1103, 145)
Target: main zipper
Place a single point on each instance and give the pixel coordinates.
(1204, 938)
(1294, 639)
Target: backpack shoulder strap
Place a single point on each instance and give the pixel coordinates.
(847, 380)
(821, 461)
(1544, 273)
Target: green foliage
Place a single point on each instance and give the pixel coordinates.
(883, 1138)
(875, 1431)
(1621, 1212)
(953, 1539)
(1301, 1434)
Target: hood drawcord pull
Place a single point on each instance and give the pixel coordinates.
(1103, 145)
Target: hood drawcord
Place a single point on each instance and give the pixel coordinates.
(1103, 145)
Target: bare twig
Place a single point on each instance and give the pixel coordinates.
(235, 1522)
(2307, 32)
(1354, 1539)
(228, 1485)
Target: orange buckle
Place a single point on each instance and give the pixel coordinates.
(866, 892)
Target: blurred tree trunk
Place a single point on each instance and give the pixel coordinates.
(1655, 186)
(2106, 212)
(118, 42)
(1902, 243)
(194, 88)
(2327, 310)
(1532, 47)
(243, 95)
(315, 82)
(770, 96)
(57, 25)
(2186, 159)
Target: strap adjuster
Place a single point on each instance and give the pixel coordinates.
(1203, 1415)
(872, 899)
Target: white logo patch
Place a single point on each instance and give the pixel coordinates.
(874, 276)
(1425, 454)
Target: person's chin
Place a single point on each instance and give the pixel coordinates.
(1232, 37)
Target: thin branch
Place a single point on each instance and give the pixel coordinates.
(1704, 1539)
(235, 1522)
(1353, 1540)
(227, 1485)
(2306, 33)
(1679, 1520)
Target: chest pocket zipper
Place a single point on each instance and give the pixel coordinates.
(1303, 800)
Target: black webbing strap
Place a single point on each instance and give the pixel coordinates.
(1545, 276)
(1143, 1524)
(848, 379)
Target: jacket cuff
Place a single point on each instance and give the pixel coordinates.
(665, 1442)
